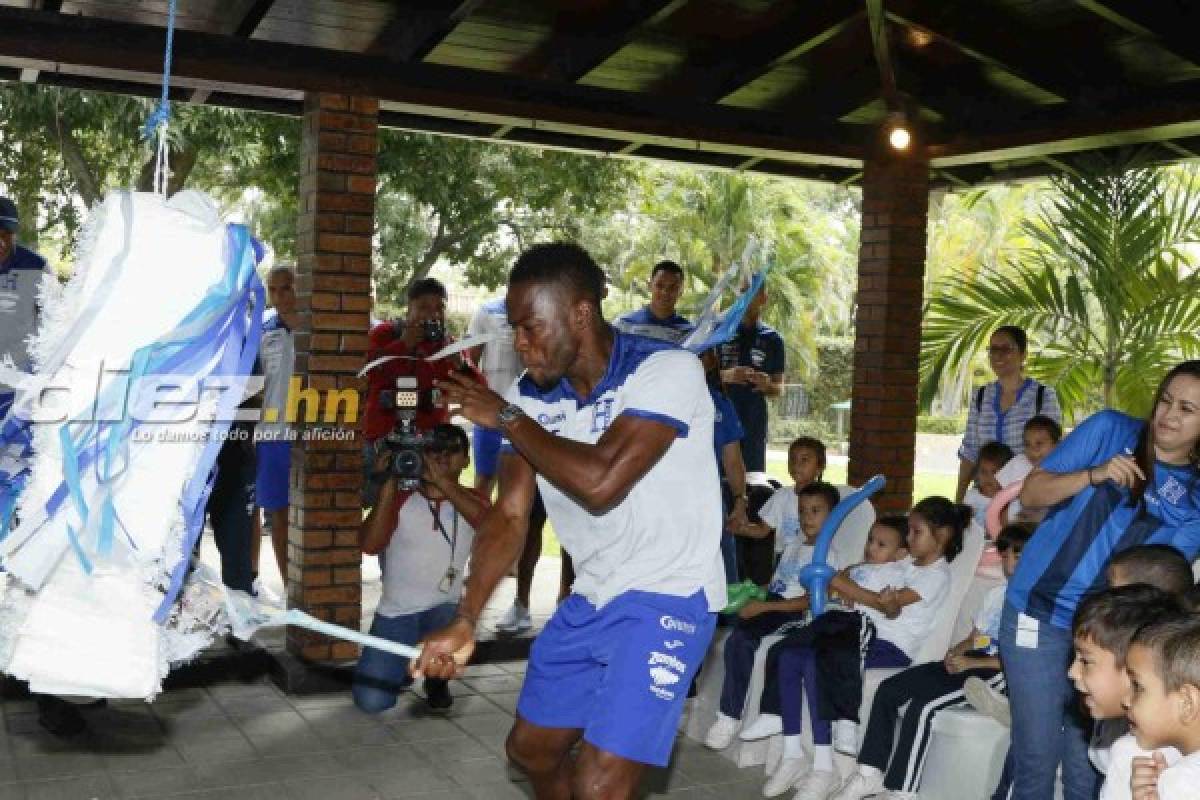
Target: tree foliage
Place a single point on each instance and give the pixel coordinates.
(1105, 288)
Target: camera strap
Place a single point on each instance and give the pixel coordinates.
(452, 540)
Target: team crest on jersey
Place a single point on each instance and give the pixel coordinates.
(602, 412)
(1172, 490)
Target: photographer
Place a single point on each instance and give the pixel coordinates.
(427, 535)
(410, 341)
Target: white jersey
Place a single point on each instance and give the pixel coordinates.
(277, 354)
(500, 363)
(665, 534)
(421, 554)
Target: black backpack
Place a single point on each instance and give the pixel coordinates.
(1037, 401)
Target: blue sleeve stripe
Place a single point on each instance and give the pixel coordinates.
(681, 428)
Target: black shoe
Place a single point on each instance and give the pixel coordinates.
(437, 694)
(59, 717)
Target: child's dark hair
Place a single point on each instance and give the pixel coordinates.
(1175, 643)
(827, 491)
(942, 513)
(1113, 617)
(1158, 565)
(997, 453)
(1014, 535)
(896, 522)
(1045, 424)
(1191, 599)
(809, 443)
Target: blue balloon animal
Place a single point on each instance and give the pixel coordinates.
(816, 575)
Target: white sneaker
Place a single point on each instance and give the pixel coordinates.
(790, 770)
(816, 785)
(766, 725)
(721, 734)
(774, 754)
(860, 785)
(515, 620)
(845, 736)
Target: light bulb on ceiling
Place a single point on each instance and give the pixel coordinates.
(899, 136)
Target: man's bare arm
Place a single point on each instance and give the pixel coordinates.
(598, 475)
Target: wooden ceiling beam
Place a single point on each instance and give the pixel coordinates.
(256, 12)
(795, 30)
(1174, 25)
(991, 38)
(419, 26)
(225, 63)
(582, 43)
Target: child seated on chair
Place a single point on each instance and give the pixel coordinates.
(780, 515)
(993, 456)
(1039, 438)
(1163, 708)
(888, 626)
(915, 696)
(786, 605)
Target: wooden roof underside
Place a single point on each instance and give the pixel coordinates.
(1000, 88)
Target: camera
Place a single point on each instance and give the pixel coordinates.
(406, 443)
(432, 330)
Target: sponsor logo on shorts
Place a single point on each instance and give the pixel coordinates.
(664, 694)
(672, 624)
(673, 644)
(663, 676)
(667, 659)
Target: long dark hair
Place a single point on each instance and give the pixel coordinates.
(940, 512)
(1144, 453)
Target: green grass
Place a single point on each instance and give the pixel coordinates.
(924, 483)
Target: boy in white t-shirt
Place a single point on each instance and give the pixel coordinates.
(780, 515)
(786, 605)
(993, 457)
(427, 536)
(1163, 708)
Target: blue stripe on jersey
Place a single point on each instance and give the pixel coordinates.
(23, 258)
(643, 316)
(628, 353)
(681, 428)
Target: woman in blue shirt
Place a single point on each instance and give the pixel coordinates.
(1116, 482)
(998, 411)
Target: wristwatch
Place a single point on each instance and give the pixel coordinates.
(510, 413)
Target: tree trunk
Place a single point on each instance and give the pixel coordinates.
(27, 211)
(85, 179)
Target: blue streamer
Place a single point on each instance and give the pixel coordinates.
(816, 575)
(731, 318)
(162, 111)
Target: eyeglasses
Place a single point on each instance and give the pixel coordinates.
(1001, 350)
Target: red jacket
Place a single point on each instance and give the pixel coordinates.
(387, 339)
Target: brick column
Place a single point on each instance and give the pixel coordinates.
(887, 344)
(333, 284)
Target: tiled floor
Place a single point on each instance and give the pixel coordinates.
(252, 742)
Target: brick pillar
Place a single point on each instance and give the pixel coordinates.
(887, 344)
(333, 285)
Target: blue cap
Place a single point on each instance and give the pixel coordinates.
(8, 215)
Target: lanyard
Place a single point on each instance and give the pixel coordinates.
(435, 510)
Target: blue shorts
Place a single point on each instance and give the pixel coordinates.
(274, 460)
(485, 442)
(620, 673)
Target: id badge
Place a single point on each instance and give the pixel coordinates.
(447, 581)
(1027, 632)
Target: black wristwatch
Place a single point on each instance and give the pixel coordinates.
(510, 413)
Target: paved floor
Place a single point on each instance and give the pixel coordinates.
(252, 742)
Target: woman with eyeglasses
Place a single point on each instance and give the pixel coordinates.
(1114, 483)
(998, 411)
